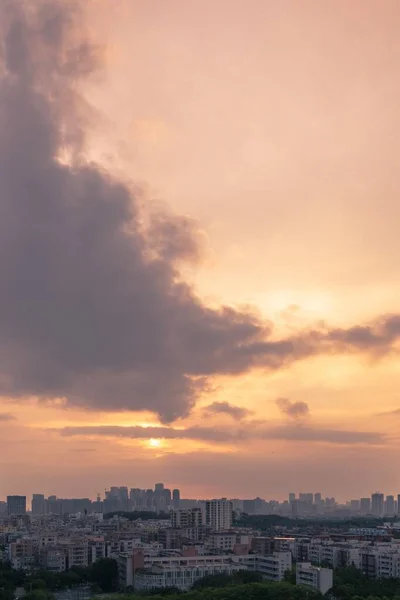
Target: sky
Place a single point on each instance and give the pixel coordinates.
(199, 246)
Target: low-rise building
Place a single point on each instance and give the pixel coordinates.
(319, 578)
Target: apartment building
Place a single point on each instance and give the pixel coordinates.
(77, 552)
(274, 566)
(171, 539)
(53, 558)
(321, 579)
(187, 518)
(218, 514)
(380, 564)
(125, 570)
(224, 542)
(16, 505)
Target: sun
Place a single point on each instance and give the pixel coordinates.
(154, 443)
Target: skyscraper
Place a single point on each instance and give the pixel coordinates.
(167, 498)
(377, 504)
(16, 505)
(176, 498)
(365, 506)
(389, 506)
(307, 497)
(38, 504)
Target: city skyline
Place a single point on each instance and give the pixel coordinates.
(198, 246)
(375, 503)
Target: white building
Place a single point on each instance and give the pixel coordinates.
(183, 571)
(218, 514)
(273, 566)
(125, 570)
(316, 577)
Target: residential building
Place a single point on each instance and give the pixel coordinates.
(390, 509)
(125, 570)
(274, 566)
(219, 514)
(171, 539)
(377, 504)
(38, 504)
(16, 505)
(365, 506)
(176, 498)
(262, 545)
(316, 577)
(53, 558)
(189, 517)
(225, 542)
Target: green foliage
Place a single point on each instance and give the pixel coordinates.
(104, 574)
(133, 515)
(223, 580)
(290, 576)
(267, 522)
(39, 594)
(241, 591)
(350, 584)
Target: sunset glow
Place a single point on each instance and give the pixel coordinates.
(199, 247)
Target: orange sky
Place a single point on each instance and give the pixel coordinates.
(274, 128)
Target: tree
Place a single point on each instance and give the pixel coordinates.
(104, 573)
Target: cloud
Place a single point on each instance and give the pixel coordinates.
(93, 308)
(292, 433)
(394, 413)
(236, 412)
(7, 417)
(294, 410)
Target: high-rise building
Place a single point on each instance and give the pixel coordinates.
(136, 497)
(390, 509)
(38, 504)
(159, 487)
(307, 498)
(167, 498)
(149, 499)
(398, 504)
(292, 497)
(317, 498)
(176, 498)
(365, 506)
(187, 518)
(377, 504)
(16, 505)
(219, 514)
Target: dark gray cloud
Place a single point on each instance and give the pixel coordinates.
(236, 412)
(92, 307)
(7, 417)
(243, 433)
(294, 410)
